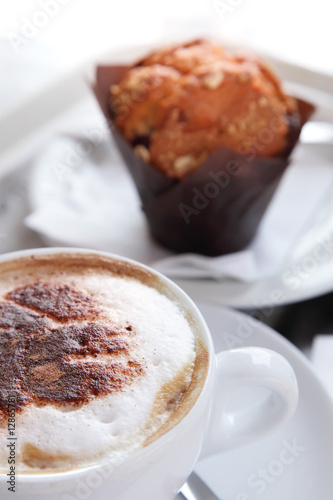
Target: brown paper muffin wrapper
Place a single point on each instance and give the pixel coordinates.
(217, 208)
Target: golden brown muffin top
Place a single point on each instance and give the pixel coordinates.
(181, 103)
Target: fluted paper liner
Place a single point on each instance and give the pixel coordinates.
(217, 208)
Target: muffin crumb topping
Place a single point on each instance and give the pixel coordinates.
(181, 103)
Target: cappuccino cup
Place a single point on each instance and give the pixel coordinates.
(109, 384)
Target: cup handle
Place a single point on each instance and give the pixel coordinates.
(250, 367)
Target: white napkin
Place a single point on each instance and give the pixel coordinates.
(95, 205)
(88, 201)
(322, 358)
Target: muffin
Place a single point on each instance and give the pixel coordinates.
(206, 136)
(180, 104)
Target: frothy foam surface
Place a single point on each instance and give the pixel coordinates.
(98, 357)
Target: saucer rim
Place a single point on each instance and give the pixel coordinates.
(311, 387)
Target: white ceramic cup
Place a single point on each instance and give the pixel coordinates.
(159, 470)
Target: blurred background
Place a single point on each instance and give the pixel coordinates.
(53, 36)
(297, 30)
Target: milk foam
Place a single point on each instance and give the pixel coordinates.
(114, 425)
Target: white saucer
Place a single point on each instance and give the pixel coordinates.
(307, 274)
(260, 470)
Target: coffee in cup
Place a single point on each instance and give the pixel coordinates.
(98, 357)
(109, 384)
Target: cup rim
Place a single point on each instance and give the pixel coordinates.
(29, 477)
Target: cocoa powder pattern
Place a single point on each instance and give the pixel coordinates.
(42, 363)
